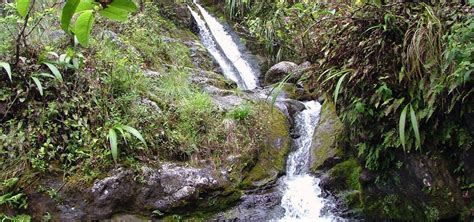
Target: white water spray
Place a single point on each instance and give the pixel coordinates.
(301, 193)
(208, 42)
(231, 50)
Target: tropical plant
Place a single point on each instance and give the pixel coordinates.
(125, 131)
(86, 11)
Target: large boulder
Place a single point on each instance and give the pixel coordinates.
(166, 189)
(279, 71)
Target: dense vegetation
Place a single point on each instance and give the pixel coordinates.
(87, 86)
(126, 99)
(399, 72)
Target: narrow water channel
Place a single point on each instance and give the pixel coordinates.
(300, 192)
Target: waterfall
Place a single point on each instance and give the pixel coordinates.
(301, 193)
(231, 50)
(301, 197)
(208, 42)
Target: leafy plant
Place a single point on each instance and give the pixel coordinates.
(87, 9)
(241, 112)
(124, 130)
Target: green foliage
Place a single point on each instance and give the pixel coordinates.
(380, 91)
(17, 218)
(10, 196)
(22, 7)
(241, 112)
(125, 131)
(83, 27)
(116, 10)
(67, 13)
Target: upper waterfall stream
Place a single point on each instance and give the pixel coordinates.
(301, 195)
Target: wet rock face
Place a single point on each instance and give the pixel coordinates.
(423, 189)
(325, 151)
(261, 205)
(165, 189)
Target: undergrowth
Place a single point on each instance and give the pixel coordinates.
(134, 74)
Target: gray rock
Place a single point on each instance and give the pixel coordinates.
(151, 73)
(151, 104)
(167, 188)
(277, 72)
(227, 102)
(56, 36)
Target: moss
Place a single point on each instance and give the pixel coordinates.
(274, 149)
(325, 138)
(344, 180)
(393, 207)
(350, 171)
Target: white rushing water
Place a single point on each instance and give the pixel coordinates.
(231, 50)
(208, 42)
(301, 199)
(301, 193)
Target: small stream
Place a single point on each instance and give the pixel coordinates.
(299, 191)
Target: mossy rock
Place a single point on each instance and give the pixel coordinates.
(343, 181)
(325, 150)
(271, 160)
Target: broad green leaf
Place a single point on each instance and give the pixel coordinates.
(67, 13)
(134, 132)
(7, 68)
(113, 144)
(127, 5)
(403, 118)
(114, 13)
(22, 7)
(414, 124)
(85, 5)
(338, 87)
(55, 71)
(83, 27)
(38, 85)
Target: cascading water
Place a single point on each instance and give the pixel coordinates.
(231, 50)
(208, 42)
(301, 193)
(301, 199)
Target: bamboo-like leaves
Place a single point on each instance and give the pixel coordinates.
(113, 143)
(414, 124)
(134, 132)
(338, 87)
(8, 69)
(401, 125)
(38, 85)
(55, 71)
(83, 27)
(122, 129)
(22, 7)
